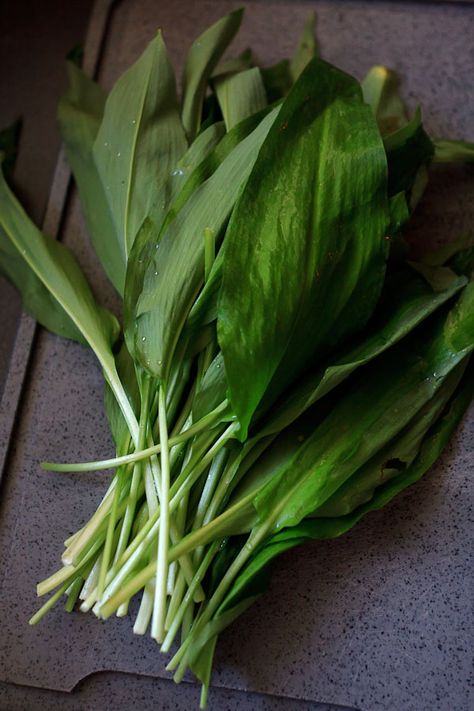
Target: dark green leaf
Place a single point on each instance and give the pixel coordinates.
(408, 150)
(277, 80)
(287, 249)
(202, 58)
(379, 405)
(406, 302)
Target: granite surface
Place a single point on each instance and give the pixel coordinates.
(379, 619)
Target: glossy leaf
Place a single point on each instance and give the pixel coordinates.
(406, 302)
(313, 213)
(80, 112)
(377, 408)
(202, 59)
(139, 142)
(175, 272)
(253, 580)
(240, 95)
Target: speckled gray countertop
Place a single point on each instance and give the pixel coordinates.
(379, 619)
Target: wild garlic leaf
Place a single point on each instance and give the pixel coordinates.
(394, 458)
(201, 60)
(139, 142)
(406, 302)
(240, 95)
(305, 242)
(307, 48)
(80, 112)
(55, 290)
(175, 272)
(254, 578)
(382, 401)
(380, 89)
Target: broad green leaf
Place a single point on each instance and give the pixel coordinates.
(379, 405)
(407, 300)
(80, 112)
(446, 151)
(139, 142)
(8, 147)
(305, 248)
(175, 272)
(54, 289)
(202, 59)
(380, 89)
(254, 578)
(240, 95)
(408, 151)
(394, 458)
(307, 48)
(200, 166)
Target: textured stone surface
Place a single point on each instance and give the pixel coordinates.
(379, 619)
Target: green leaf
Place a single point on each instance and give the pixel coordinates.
(380, 89)
(379, 405)
(240, 95)
(47, 266)
(235, 64)
(303, 267)
(80, 112)
(406, 302)
(394, 458)
(212, 389)
(307, 47)
(175, 271)
(408, 151)
(253, 580)
(9, 138)
(139, 142)
(54, 289)
(446, 151)
(201, 60)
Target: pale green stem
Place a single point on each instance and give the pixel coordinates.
(159, 608)
(205, 423)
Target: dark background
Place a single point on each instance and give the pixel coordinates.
(35, 37)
